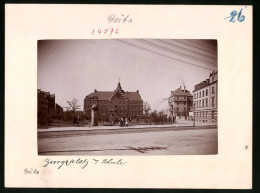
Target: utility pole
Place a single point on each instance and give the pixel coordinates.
(193, 115)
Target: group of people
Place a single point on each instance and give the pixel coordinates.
(76, 119)
(123, 121)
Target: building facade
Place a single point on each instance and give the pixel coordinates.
(206, 99)
(58, 109)
(42, 104)
(46, 106)
(118, 103)
(180, 102)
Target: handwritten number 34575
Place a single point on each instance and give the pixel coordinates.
(234, 15)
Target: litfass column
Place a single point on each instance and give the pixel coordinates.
(94, 115)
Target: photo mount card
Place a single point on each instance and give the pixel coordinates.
(85, 81)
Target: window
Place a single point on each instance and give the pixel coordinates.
(206, 92)
(184, 103)
(177, 108)
(203, 94)
(213, 102)
(194, 105)
(200, 94)
(202, 103)
(212, 89)
(206, 102)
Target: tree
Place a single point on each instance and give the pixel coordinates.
(154, 116)
(160, 115)
(73, 105)
(147, 109)
(67, 115)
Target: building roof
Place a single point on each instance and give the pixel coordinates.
(206, 82)
(213, 73)
(133, 96)
(180, 92)
(46, 93)
(101, 95)
(106, 95)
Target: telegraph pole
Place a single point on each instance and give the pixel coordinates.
(193, 116)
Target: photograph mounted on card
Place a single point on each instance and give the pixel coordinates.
(121, 99)
(88, 108)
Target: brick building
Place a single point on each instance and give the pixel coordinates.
(58, 109)
(46, 106)
(43, 104)
(180, 102)
(206, 99)
(117, 103)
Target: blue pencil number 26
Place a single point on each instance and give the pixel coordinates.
(234, 15)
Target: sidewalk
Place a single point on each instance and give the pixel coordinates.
(178, 123)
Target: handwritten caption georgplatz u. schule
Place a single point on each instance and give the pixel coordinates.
(82, 162)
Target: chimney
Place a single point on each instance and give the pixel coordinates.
(95, 90)
(184, 88)
(180, 87)
(137, 91)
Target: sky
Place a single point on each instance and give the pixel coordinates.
(75, 68)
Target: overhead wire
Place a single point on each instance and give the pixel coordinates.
(185, 49)
(187, 56)
(200, 44)
(139, 47)
(194, 46)
(146, 59)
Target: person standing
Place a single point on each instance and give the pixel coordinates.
(126, 122)
(121, 122)
(78, 119)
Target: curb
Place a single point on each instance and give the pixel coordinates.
(123, 128)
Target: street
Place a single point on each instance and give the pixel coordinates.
(197, 140)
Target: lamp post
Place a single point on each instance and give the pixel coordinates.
(193, 116)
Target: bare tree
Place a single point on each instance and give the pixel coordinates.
(73, 105)
(147, 109)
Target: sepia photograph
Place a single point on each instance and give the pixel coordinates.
(127, 97)
(120, 104)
